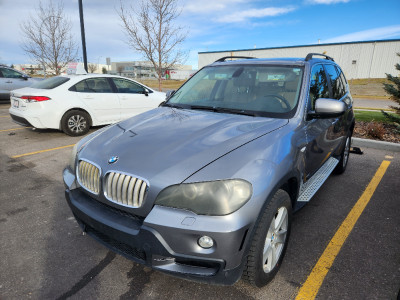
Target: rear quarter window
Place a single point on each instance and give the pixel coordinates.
(50, 83)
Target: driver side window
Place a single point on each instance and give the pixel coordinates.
(318, 86)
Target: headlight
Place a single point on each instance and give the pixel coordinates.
(215, 198)
(72, 158)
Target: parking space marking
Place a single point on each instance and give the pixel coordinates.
(12, 129)
(4, 116)
(310, 288)
(41, 151)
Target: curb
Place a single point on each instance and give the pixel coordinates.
(357, 142)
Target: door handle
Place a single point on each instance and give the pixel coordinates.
(87, 97)
(8, 81)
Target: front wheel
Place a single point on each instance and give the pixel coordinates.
(344, 157)
(270, 241)
(75, 123)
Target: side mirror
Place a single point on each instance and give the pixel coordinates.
(327, 108)
(162, 103)
(169, 94)
(146, 92)
(25, 77)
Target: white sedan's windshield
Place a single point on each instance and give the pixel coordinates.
(259, 90)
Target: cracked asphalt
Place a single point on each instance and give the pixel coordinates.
(45, 256)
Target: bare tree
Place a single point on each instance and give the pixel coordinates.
(47, 37)
(151, 30)
(92, 67)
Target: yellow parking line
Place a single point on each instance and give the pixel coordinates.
(41, 151)
(310, 288)
(4, 116)
(12, 129)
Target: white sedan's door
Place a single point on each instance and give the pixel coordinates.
(133, 98)
(98, 95)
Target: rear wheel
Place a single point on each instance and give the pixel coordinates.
(270, 241)
(344, 157)
(75, 123)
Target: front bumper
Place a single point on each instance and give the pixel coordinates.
(146, 241)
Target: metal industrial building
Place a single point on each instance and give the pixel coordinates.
(145, 69)
(367, 59)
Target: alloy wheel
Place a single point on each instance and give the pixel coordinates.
(275, 239)
(77, 123)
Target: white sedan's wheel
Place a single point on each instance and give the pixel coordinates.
(75, 123)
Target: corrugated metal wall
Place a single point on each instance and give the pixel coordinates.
(358, 60)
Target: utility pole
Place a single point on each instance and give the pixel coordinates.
(83, 36)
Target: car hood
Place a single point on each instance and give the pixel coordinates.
(167, 145)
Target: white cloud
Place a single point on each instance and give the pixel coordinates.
(366, 35)
(326, 1)
(241, 16)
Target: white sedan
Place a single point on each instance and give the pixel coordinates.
(73, 103)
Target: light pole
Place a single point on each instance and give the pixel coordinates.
(83, 35)
(43, 44)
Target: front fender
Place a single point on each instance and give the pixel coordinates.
(268, 163)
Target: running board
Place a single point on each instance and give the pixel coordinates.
(312, 185)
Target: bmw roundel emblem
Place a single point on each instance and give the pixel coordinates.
(113, 159)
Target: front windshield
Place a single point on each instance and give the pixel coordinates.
(270, 91)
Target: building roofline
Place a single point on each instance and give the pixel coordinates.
(300, 46)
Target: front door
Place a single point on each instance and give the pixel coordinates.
(323, 135)
(133, 98)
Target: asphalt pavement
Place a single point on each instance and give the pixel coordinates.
(45, 256)
(372, 103)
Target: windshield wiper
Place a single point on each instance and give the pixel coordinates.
(201, 107)
(224, 110)
(172, 105)
(235, 111)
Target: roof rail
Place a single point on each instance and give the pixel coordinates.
(222, 59)
(310, 56)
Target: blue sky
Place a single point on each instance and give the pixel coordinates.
(216, 25)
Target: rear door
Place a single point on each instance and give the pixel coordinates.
(133, 97)
(98, 95)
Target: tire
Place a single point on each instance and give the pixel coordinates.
(344, 157)
(75, 123)
(261, 268)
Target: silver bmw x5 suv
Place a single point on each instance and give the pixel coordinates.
(204, 186)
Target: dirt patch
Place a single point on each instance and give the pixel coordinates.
(377, 131)
(368, 87)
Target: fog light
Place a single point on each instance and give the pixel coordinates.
(206, 242)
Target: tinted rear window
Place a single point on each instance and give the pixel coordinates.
(50, 83)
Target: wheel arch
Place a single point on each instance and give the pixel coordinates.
(289, 183)
(79, 109)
